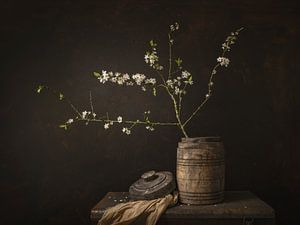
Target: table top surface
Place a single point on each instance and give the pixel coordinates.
(236, 204)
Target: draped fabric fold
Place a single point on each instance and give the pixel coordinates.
(142, 212)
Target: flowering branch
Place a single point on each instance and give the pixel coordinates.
(91, 116)
(175, 84)
(171, 42)
(222, 61)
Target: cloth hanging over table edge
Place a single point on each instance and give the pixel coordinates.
(138, 212)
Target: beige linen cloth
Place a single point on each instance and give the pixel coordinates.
(143, 212)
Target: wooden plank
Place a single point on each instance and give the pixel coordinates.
(109, 200)
(236, 206)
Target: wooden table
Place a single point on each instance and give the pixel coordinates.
(238, 208)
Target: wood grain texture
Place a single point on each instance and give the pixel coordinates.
(200, 170)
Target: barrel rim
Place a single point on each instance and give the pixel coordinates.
(202, 139)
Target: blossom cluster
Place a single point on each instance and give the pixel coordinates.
(109, 123)
(86, 115)
(178, 84)
(126, 130)
(174, 82)
(230, 40)
(150, 128)
(174, 26)
(125, 79)
(223, 61)
(151, 57)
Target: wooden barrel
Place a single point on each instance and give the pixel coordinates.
(200, 170)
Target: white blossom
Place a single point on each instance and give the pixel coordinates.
(70, 121)
(223, 61)
(175, 81)
(126, 79)
(138, 78)
(84, 114)
(126, 130)
(170, 83)
(151, 58)
(174, 27)
(147, 56)
(106, 126)
(113, 79)
(103, 77)
(185, 74)
(226, 46)
(150, 128)
(150, 81)
(120, 80)
(126, 76)
(104, 73)
(119, 119)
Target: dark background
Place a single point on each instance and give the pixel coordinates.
(49, 176)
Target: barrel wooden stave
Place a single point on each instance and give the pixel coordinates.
(200, 170)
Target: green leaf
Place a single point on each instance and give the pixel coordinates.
(178, 61)
(61, 96)
(63, 126)
(39, 89)
(154, 91)
(96, 74)
(152, 43)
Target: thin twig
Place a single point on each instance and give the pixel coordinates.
(91, 103)
(130, 122)
(170, 56)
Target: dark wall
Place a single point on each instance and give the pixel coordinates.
(49, 176)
